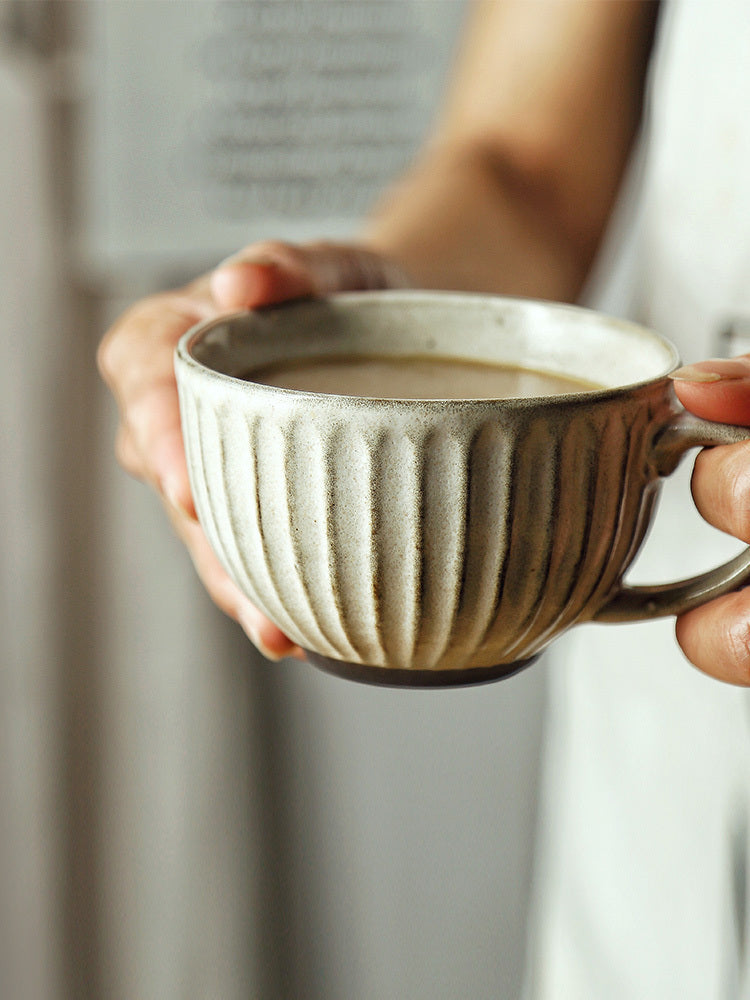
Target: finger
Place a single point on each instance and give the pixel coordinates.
(136, 361)
(154, 429)
(721, 488)
(716, 637)
(716, 390)
(126, 453)
(143, 338)
(273, 272)
(269, 639)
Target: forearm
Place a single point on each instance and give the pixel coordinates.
(458, 220)
(514, 190)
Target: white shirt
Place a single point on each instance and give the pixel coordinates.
(642, 885)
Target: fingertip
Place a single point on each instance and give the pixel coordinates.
(718, 389)
(176, 491)
(715, 637)
(169, 471)
(242, 285)
(724, 401)
(264, 635)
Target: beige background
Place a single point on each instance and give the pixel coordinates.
(179, 819)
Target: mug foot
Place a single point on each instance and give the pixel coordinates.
(401, 677)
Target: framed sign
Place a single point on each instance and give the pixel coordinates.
(207, 124)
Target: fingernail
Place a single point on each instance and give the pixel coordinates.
(694, 373)
(714, 370)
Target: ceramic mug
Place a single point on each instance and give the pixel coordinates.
(431, 542)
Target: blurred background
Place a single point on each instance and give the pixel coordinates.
(179, 818)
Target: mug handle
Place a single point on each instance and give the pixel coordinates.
(658, 601)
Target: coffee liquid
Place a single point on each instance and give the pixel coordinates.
(415, 377)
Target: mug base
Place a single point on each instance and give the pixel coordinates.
(403, 677)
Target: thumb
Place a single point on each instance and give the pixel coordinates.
(716, 390)
(272, 272)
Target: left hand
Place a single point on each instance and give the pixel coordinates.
(716, 636)
(136, 361)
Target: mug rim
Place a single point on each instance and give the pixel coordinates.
(184, 350)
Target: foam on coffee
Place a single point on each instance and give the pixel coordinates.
(415, 377)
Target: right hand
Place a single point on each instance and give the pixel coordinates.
(716, 636)
(136, 361)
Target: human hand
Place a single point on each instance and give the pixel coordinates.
(136, 361)
(716, 636)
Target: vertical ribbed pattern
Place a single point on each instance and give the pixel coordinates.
(548, 585)
(292, 475)
(531, 525)
(396, 512)
(351, 521)
(312, 536)
(580, 518)
(207, 469)
(417, 544)
(487, 472)
(229, 502)
(444, 487)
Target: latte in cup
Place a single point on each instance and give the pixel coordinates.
(446, 539)
(415, 377)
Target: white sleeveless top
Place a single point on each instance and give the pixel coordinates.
(642, 883)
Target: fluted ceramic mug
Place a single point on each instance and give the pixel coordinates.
(432, 542)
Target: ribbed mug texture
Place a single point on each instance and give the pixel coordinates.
(428, 536)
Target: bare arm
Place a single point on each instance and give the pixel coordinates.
(514, 190)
